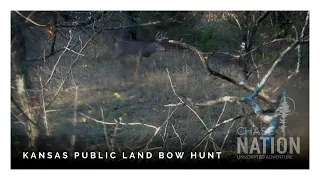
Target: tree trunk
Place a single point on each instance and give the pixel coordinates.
(19, 81)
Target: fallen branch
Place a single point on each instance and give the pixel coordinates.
(220, 100)
(264, 97)
(120, 122)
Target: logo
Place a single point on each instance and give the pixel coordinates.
(269, 140)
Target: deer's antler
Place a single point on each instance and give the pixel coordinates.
(160, 36)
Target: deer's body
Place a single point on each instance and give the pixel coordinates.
(141, 48)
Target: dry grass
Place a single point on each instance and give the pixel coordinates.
(141, 100)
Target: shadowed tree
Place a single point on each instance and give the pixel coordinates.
(21, 82)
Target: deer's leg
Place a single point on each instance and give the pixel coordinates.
(138, 65)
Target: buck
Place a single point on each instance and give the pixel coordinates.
(139, 48)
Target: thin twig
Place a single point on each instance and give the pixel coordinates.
(173, 87)
(269, 73)
(258, 74)
(235, 18)
(213, 125)
(305, 26)
(158, 129)
(114, 135)
(174, 130)
(219, 100)
(73, 51)
(182, 102)
(198, 117)
(28, 19)
(70, 67)
(294, 73)
(138, 25)
(225, 138)
(20, 121)
(262, 117)
(55, 110)
(223, 109)
(74, 121)
(174, 105)
(121, 123)
(199, 142)
(165, 134)
(229, 54)
(299, 59)
(58, 91)
(296, 31)
(246, 87)
(54, 67)
(268, 43)
(31, 59)
(105, 130)
(45, 120)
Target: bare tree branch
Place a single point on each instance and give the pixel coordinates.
(262, 17)
(235, 18)
(214, 124)
(121, 123)
(266, 44)
(305, 26)
(269, 73)
(265, 98)
(175, 132)
(158, 129)
(54, 67)
(105, 130)
(28, 19)
(71, 65)
(139, 25)
(225, 138)
(294, 73)
(45, 120)
(181, 101)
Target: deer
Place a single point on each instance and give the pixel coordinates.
(139, 48)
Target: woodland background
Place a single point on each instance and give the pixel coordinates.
(68, 94)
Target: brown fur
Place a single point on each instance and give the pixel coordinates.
(144, 49)
(139, 48)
